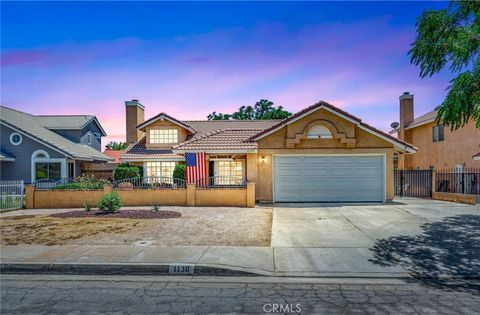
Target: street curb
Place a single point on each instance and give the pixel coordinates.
(116, 269)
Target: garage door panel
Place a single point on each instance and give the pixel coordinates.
(329, 178)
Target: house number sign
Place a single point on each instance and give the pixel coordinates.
(181, 269)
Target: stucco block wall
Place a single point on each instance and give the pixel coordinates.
(458, 147)
(191, 196)
(276, 144)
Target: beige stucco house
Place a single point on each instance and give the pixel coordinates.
(438, 146)
(320, 154)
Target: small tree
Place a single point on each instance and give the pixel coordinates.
(125, 171)
(110, 202)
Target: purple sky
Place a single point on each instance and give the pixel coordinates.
(191, 59)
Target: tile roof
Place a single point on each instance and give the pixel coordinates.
(425, 118)
(114, 154)
(32, 126)
(335, 109)
(231, 135)
(220, 140)
(138, 152)
(164, 116)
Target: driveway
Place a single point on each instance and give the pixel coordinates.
(413, 236)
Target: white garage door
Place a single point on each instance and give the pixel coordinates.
(346, 178)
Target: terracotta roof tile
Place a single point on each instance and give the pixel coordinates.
(138, 152)
(220, 140)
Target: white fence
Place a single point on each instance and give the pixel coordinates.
(11, 194)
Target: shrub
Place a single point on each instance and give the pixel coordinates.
(156, 207)
(125, 171)
(110, 202)
(88, 205)
(84, 182)
(179, 171)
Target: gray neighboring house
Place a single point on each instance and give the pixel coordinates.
(47, 146)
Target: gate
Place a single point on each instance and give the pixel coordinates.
(11, 194)
(413, 183)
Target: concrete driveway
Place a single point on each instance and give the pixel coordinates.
(409, 236)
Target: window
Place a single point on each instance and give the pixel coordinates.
(319, 132)
(15, 138)
(229, 172)
(48, 170)
(160, 169)
(164, 136)
(437, 133)
(89, 138)
(97, 135)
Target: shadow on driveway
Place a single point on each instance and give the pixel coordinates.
(446, 253)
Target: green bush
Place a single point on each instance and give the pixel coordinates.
(125, 171)
(84, 182)
(110, 202)
(179, 171)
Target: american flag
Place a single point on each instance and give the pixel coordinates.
(196, 166)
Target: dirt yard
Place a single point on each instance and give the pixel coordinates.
(196, 226)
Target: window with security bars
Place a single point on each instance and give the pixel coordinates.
(160, 169)
(163, 136)
(230, 172)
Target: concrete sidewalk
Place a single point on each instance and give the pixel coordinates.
(268, 261)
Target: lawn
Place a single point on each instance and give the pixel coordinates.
(195, 226)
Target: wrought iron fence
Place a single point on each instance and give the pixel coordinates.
(52, 183)
(152, 182)
(466, 181)
(11, 194)
(221, 182)
(413, 183)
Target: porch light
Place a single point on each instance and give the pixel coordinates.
(262, 158)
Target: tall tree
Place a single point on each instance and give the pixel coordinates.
(451, 37)
(263, 109)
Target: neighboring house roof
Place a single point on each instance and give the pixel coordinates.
(424, 119)
(114, 154)
(477, 156)
(68, 122)
(6, 157)
(220, 141)
(397, 142)
(137, 152)
(32, 127)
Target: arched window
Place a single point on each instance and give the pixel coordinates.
(319, 132)
(46, 168)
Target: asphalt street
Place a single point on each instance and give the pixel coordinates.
(47, 294)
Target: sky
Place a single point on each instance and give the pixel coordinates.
(189, 59)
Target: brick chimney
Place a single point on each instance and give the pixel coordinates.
(406, 112)
(135, 115)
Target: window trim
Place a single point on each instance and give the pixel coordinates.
(13, 134)
(89, 139)
(46, 159)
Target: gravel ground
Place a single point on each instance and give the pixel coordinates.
(197, 226)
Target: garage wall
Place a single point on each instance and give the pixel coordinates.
(365, 143)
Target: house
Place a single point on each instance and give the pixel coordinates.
(438, 146)
(48, 146)
(320, 154)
